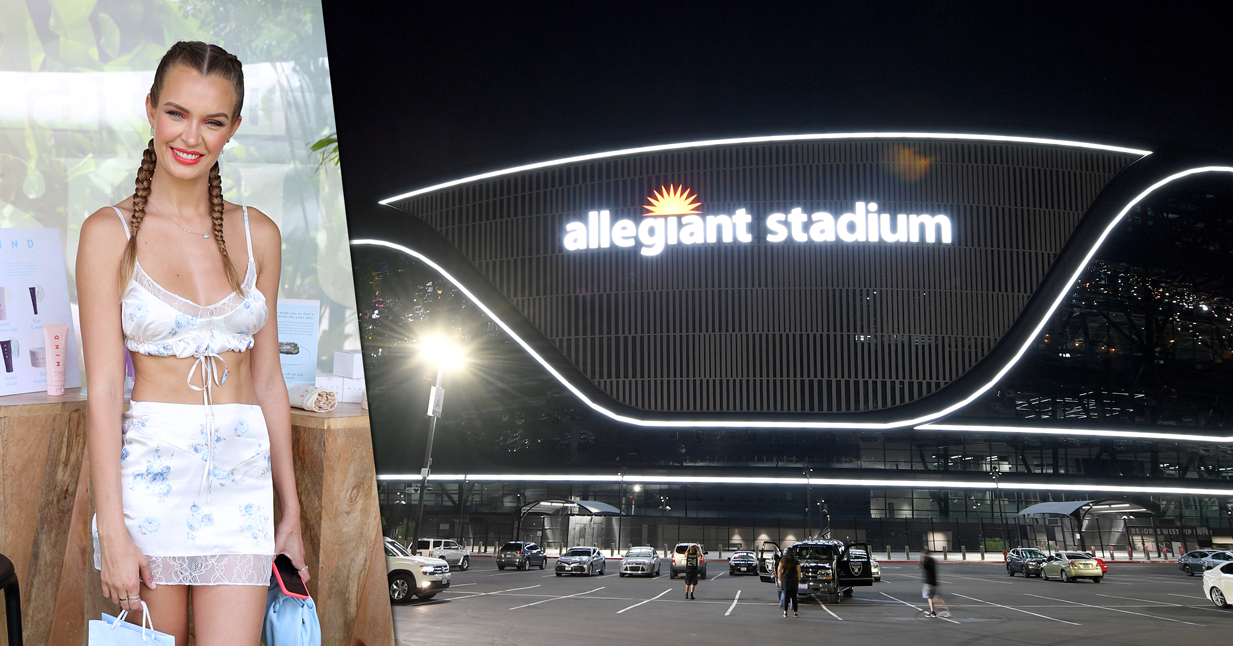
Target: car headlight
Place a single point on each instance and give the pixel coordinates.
(426, 569)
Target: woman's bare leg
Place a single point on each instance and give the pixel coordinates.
(168, 606)
(228, 615)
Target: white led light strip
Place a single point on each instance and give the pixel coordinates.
(664, 423)
(770, 139)
(814, 481)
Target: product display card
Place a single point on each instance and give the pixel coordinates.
(297, 340)
(33, 291)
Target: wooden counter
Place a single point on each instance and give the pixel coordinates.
(45, 512)
(42, 443)
(337, 483)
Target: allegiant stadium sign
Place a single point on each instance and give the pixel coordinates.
(673, 218)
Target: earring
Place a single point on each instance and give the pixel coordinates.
(151, 131)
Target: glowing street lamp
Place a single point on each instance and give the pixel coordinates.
(446, 355)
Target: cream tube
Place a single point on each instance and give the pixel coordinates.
(34, 300)
(7, 348)
(55, 336)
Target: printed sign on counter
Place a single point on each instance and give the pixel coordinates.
(33, 291)
(297, 339)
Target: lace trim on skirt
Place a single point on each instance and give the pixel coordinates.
(207, 569)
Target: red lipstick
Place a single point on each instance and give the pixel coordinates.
(186, 157)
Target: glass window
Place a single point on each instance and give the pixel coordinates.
(640, 552)
(397, 550)
(579, 551)
(511, 547)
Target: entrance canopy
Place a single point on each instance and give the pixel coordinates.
(561, 505)
(1083, 508)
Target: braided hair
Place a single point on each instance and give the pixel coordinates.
(206, 59)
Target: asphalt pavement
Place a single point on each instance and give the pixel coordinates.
(1153, 605)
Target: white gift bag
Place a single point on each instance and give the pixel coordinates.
(114, 631)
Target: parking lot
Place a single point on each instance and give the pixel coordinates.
(1136, 604)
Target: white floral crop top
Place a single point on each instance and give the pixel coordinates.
(157, 322)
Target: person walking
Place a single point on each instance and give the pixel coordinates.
(789, 575)
(693, 563)
(930, 592)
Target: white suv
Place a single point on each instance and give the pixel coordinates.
(678, 560)
(413, 576)
(449, 551)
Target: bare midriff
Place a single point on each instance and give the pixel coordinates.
(165, 379)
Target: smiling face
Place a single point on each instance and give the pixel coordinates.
(192, 121)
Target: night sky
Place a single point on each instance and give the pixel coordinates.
(427, 92)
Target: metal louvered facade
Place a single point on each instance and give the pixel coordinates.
(788, 327)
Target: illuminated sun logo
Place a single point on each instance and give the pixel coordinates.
(672, 200)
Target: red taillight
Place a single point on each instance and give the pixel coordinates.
(519, 552)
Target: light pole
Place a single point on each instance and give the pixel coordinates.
(808, 495)
(446, 356)
(997, 496)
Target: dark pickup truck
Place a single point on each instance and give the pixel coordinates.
(828, 567)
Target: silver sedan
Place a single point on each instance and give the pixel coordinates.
(581, 560)
(640, 561)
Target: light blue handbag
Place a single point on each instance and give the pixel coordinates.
(289, 621)
(114, 631)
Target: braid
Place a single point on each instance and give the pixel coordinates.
(216, 208)
(141, 195)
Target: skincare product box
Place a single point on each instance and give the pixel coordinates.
(349, 364)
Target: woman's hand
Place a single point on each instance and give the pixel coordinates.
(287, 540)
(125, 568)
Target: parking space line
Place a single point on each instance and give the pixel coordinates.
(459, 585)
(484, 594)
(956, 576)
(647, 601)
(1163, 603)
(1026, 612)
(718, 575)
(1129, 612)
(730, 608)
(1187, 596)
(914, 607)
(828, 610)
(536, 603)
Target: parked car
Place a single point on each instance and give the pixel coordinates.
(742, 563)
(581, 560)
(1025, 561)
(1192, 561)
(1218, 584)
(1216, 559)
(1070, 567)
(640, 561)
(449, 551)
(678, 560)
(1099, 561)
(413, 576)
(521, 555)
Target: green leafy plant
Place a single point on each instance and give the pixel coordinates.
(327, 147)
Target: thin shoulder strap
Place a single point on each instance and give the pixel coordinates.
(248, 235)
(125, 222)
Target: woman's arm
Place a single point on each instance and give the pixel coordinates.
(98, 297)
(271, 390)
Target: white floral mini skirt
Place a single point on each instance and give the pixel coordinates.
(197, 491)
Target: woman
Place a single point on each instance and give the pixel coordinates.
(184, 480)
(789, 576)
